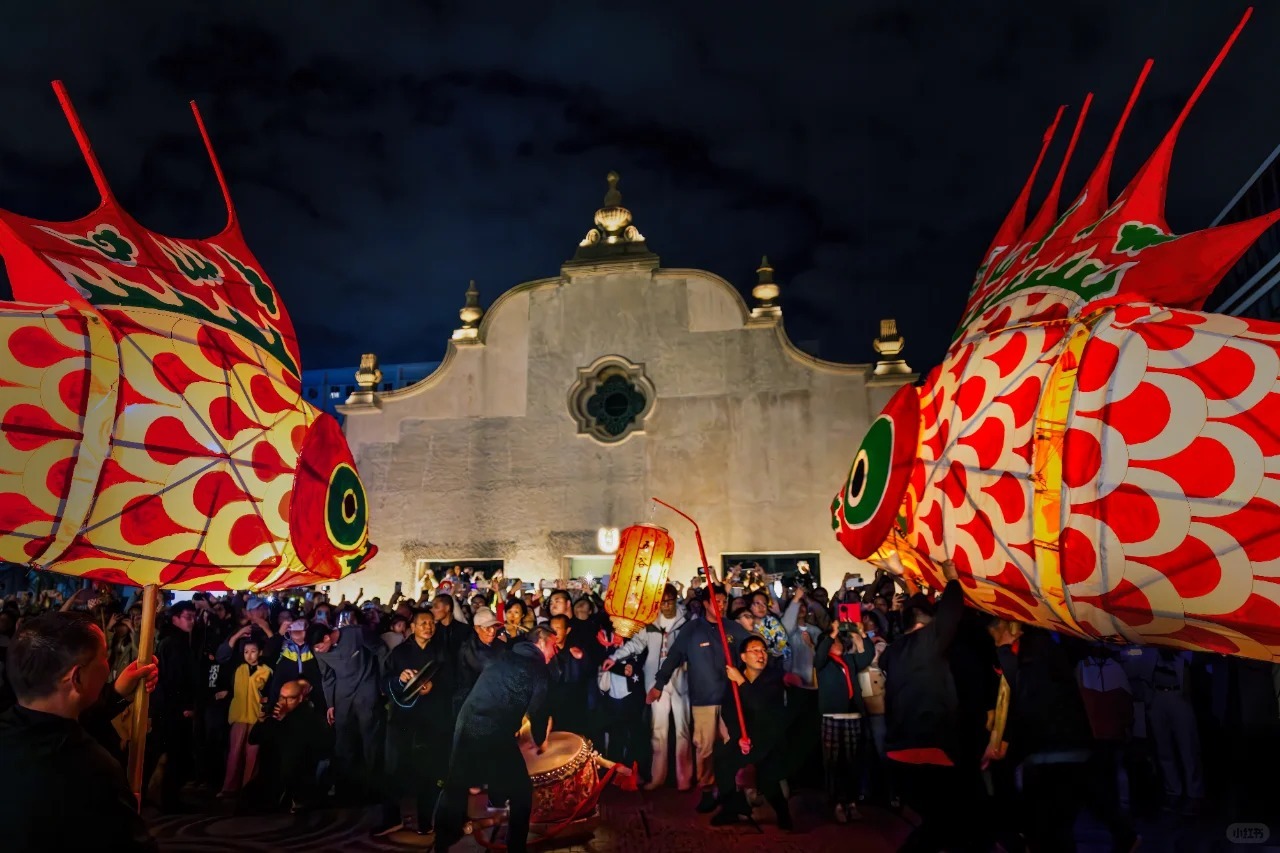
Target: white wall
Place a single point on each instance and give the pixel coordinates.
(749, 436)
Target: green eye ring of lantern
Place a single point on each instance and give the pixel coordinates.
(346, 511)
(864, 491)
(865, 510)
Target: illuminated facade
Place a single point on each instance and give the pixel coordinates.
(568, 403)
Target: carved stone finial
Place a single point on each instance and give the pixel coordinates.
(368, 375)
(889, 345)
(470, 314)
(766, 289)
(766, 312)
(613, 234)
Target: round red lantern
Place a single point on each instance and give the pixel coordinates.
(634, 595)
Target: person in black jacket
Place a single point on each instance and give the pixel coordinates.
(59, 787)
(293, 741)
(478, 651)
(773, 746)
(349, 672)
(1049, 741)
(921, 724)
(700, 646)
(485, 748)
(421, 727)
(572, 676)
(173, 708)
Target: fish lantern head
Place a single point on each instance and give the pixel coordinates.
(329, 512)
(871, 514)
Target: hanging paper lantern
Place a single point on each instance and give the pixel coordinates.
(640, 570)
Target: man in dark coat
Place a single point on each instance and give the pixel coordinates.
(773, 746)
(699, 645)
(294, 740)
(60, 788)
(349, 672)
(478, 651)
(421, 725)
(922, 736)
(173, 709)
(485, 748)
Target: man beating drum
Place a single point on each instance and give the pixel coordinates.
(485, 748)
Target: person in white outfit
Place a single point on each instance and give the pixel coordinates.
(657, 639)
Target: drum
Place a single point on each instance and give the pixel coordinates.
(564, 776)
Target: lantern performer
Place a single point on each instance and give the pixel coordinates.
(745, 741)
(152, 431)
(1096, 454)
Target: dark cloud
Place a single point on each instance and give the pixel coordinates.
(383, 154)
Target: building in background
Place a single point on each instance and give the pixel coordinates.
(327, 388)
(1252, 287)
(559, 411)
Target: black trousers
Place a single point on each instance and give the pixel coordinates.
(502, 767)
(417, 758)
(946, 799)
(174, 736)
(359, 740)
(628, 735)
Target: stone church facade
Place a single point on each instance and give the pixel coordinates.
(558, 412)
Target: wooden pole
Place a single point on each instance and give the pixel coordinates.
(146, 649)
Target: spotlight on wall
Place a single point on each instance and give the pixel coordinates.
(608, 539)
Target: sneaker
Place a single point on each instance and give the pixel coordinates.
(841, 817)
(387, 828)
(655, 785)
(851, 811)
(708, 802)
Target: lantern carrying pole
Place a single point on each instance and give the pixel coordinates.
(146, 648)
(745, 742)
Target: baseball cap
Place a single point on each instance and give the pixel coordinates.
(254, 603)
(484, 618)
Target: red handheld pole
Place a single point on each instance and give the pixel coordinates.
(745, 741)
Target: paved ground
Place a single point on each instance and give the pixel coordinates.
(658, 822)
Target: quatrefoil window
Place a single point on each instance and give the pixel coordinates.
(611, 399)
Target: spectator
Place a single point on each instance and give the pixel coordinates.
(60, 787)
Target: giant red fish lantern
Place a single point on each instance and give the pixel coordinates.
(1095, 454)
(151, 425)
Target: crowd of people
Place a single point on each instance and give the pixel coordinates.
(875, 692)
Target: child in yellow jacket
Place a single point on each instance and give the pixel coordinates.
(244, 713)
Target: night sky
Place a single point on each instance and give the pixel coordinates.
(381, 158)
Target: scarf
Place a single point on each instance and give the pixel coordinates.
(837, 655)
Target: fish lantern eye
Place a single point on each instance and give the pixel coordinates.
(346, 517)
(329, 508)
(863, 513)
